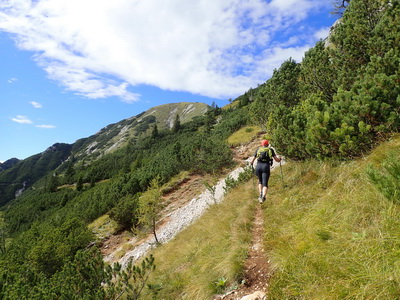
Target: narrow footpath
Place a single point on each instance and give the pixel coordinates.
(256, 268)
(182, 212)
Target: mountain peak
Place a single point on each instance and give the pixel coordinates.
(8, 163)
(115, 136)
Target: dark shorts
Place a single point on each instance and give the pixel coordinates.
(263, 172)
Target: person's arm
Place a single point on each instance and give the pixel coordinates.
(276, 157)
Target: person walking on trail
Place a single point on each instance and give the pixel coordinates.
(264, 156)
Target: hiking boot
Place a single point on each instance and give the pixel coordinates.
(260, 199)
(263, 199)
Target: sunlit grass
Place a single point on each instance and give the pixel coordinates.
(103, 226)
(331, 234)
(243, 135)
(208, 256)
(231, 105)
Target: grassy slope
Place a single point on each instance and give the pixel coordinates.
(331, 234)
(243, 135)
(328, 233)
(209, 251)
(166, 113)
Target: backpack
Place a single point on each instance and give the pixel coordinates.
(264, 154)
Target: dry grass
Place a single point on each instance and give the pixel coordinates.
(244, 135)
(212, 250)
(331, 234)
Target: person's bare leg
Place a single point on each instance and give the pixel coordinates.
(260, 189)
(265, 191)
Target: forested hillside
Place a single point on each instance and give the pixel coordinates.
(24, 173)
(16, 176)
(337, 104)
(344, 97)
(45, 229)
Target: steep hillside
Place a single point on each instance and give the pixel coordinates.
(8, 163)
(343, 98)
(115, 136)
(16, 176)
(332, 213)
(329, 232)
(165, 114)
(22, 174)
(333, 232)
(45, 230)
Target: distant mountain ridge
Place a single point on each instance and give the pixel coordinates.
(16, 175)
(8, 163)
(114, 136)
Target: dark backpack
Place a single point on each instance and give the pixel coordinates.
(264, 154)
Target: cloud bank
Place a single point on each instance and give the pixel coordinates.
(103, 48)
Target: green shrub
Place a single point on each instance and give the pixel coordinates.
(387, 179)
(125, 213)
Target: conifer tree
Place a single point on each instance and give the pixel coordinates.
(177, 124)
(53, 184)
(150, 207)
(3, 233)
(79, 184)
(154, 133)
(70, 172)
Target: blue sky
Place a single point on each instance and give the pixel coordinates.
(69, 68)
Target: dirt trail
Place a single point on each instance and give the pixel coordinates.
(256, 268)
(183, 209)
(184, 205)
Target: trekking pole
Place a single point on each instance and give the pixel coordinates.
(252, 173)
(252, 176)
(280, 164)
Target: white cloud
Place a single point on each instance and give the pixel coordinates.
(322, 33)
(45, 126)
(273, 58)
(21, 119)
(36, 104)
(102, 48)
(12, 80)
(25, 120)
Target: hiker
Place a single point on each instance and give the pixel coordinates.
(264, 156)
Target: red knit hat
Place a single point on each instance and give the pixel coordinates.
(264, 143)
